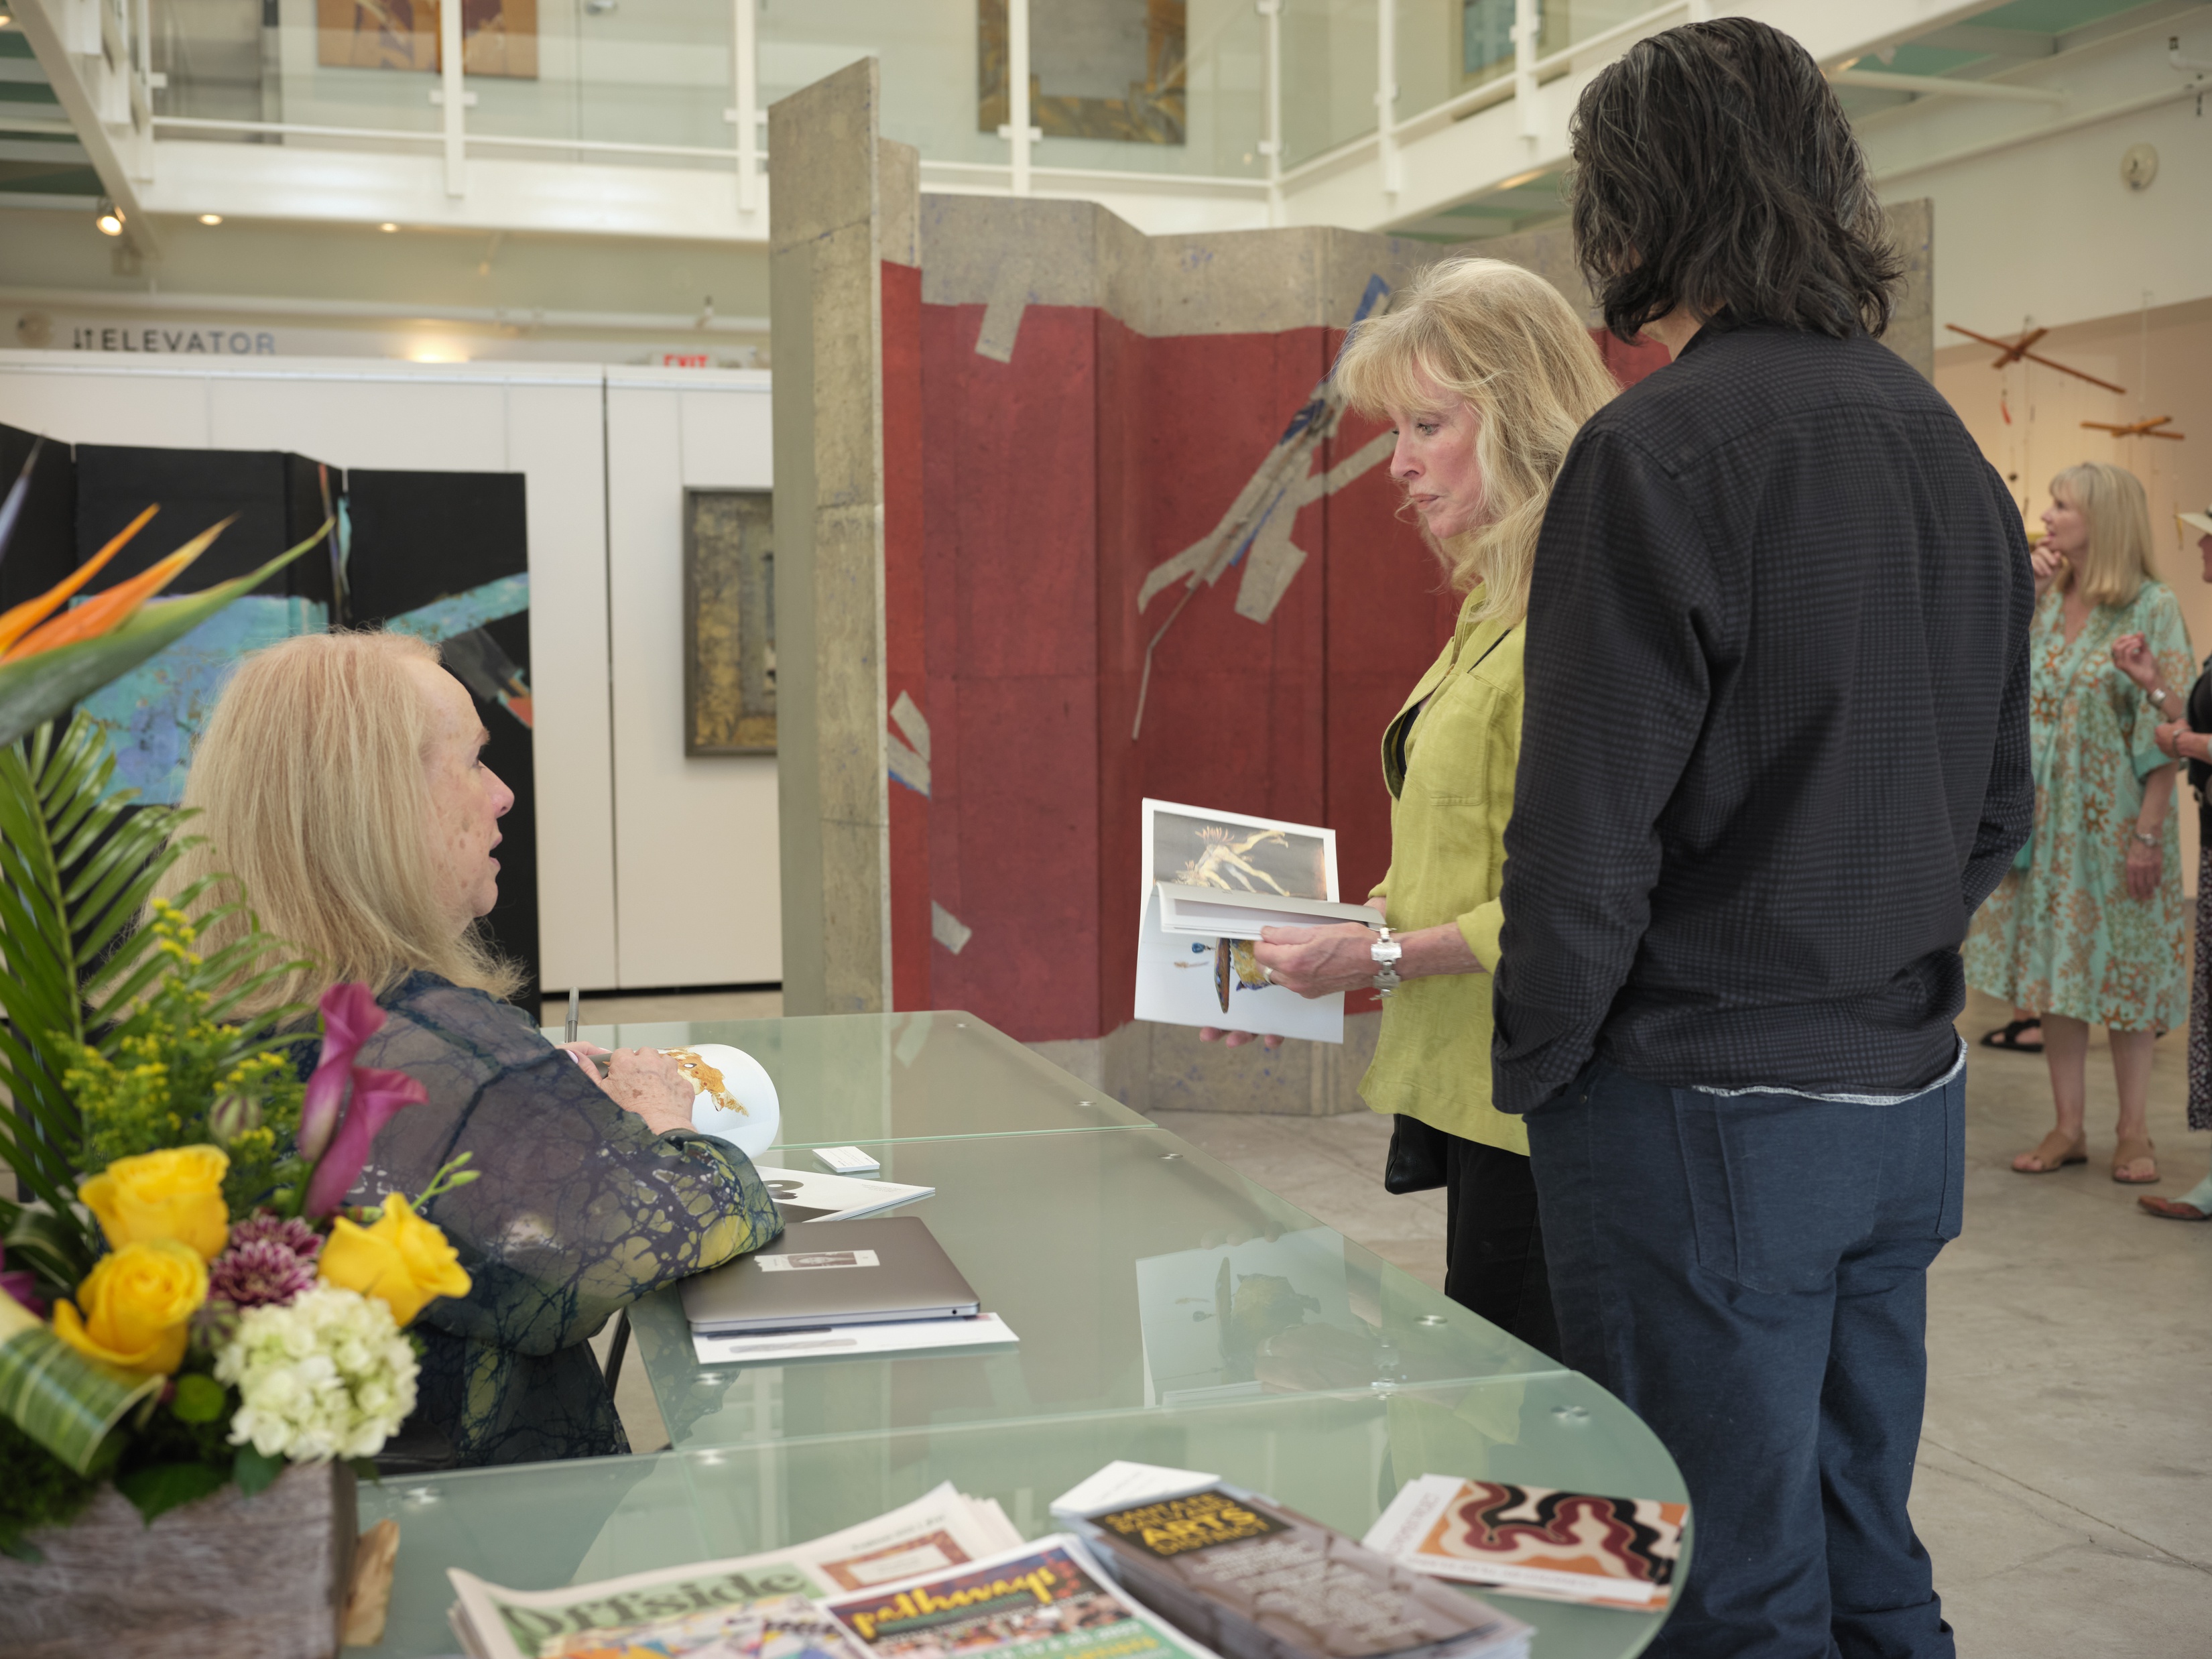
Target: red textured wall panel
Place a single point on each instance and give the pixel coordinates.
(1049, 488)
(1011, 483)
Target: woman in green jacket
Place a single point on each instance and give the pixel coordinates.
(1486, 372)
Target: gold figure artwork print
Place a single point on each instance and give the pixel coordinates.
(705, 1078)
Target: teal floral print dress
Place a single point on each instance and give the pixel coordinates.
(2061, 934)
(578, 1211)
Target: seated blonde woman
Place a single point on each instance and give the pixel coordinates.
(340, 781)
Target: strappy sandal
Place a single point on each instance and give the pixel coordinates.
(2171, 1209)
(2130, 1153)
(2053, 1152)
(2008, 1036)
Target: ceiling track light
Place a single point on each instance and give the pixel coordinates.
(109, 218)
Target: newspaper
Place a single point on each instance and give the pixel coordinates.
(1532, 1540)
(941, 1529)
(1047, 1599)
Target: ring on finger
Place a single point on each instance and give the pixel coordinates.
(1267, 974)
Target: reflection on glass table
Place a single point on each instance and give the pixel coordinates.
(1339, 1459)
(865, 1077)
(1136, 1272)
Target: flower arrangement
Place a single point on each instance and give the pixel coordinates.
(228, 1329)
(184, 1303)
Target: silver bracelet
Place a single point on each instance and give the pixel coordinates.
(2157, 696)
(1386, 952)
(2150, 842)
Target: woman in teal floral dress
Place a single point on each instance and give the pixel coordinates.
(2088, 928)
(341, 780)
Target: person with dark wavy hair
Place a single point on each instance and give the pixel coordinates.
(1775, 755)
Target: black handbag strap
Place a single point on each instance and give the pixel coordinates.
(1402, 728)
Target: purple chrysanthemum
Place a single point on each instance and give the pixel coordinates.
(259, 1273)
(294, 1234)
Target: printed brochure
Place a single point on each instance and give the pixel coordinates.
(1532, 1540)
(1047, 1599)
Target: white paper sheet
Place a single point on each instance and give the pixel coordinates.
(853, 1341)
(1121, 1482)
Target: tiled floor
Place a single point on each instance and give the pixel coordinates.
(2065, 1481)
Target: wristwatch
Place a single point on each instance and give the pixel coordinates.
(1386, 952)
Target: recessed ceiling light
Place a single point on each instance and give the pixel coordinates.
(210, 218)
(387, 227)
(1519, 178)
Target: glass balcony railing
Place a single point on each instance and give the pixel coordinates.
(1214, 91)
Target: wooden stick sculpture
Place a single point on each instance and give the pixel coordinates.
(2137, 430)
(2012, 351)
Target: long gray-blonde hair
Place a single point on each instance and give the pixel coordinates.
(311, 790)
(1506, 343)
(2117, 560)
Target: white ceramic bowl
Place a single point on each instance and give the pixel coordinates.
(736, 1100)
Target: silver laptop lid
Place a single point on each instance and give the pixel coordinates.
(831, 1272)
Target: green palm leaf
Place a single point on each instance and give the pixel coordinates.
(77, 866)
(41, 688)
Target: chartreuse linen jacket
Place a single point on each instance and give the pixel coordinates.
(1448, 759)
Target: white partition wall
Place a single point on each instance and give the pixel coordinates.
(695, 838)
(653, 870)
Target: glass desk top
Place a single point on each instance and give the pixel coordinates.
(1137, 1273)
(856, 1079)
(1169, 1311)
(1338, 1458)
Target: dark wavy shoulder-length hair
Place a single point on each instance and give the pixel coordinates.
(1714, 171)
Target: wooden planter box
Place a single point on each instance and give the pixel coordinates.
(227, 1575)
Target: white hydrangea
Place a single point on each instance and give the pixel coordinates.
(327, 1375)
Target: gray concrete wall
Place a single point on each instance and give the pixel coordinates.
(825, 306)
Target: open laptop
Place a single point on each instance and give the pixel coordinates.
(831, 1272)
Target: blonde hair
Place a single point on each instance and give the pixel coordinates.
(2117, 560)
(1506, 343)
(310, 787)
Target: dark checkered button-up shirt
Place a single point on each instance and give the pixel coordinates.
(1775, 752)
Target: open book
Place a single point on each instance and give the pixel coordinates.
(1212, 880)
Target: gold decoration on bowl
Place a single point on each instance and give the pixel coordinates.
(705, 1078)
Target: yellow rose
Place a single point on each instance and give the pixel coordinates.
(176, 1194)
(403, 1259)
(137, 1303)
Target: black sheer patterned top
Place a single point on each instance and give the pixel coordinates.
(578, 1211)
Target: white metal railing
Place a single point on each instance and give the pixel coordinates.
(124, 28)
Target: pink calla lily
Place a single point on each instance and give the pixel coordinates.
(23, 1285)
(376, 1095)
(350, 1018)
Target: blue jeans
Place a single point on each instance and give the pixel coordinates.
(1749, 1274)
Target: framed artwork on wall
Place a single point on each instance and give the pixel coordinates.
(498, 37)
(1098, 68)
(729, 621)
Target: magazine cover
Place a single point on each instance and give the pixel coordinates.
(1257, 1580)
(1047, 1599)
(1532, 1540)
(1182, 980)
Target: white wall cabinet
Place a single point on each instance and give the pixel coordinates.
(653, 869)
